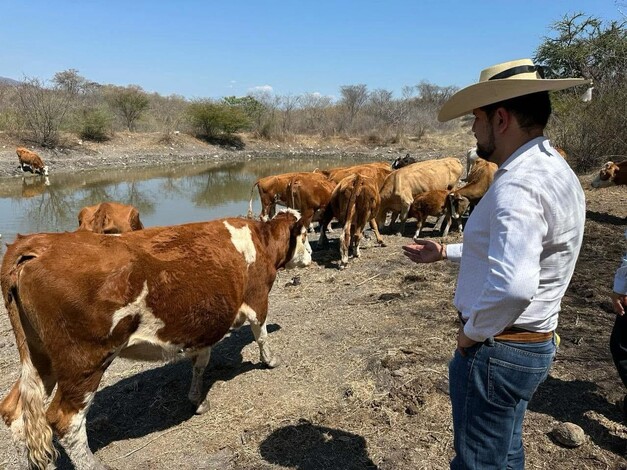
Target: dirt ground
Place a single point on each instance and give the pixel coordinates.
(363, 383)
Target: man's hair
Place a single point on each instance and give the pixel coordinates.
(531, 111)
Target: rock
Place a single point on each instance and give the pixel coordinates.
(569, 434)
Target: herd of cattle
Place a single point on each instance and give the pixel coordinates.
(77, 300)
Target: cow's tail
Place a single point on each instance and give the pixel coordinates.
(250, 202)
(36, 430)
(351, 206)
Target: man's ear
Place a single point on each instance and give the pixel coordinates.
(502, 120)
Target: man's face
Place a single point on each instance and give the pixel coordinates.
(484, 133)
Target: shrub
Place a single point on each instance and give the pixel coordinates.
(96, 125)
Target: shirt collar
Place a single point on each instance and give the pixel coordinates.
(517, 157)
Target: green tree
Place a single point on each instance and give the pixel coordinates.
(130, 103)
(210, 118)
(583, 46)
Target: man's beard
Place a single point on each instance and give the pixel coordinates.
(486, 151)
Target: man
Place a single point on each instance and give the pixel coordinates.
(618, 339)
(519, 252)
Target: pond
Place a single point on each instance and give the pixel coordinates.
(164, 195)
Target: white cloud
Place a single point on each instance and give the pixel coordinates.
(261, 89)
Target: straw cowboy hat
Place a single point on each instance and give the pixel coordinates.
(502, 82)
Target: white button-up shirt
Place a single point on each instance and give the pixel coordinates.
(520, 244)
(620, 278)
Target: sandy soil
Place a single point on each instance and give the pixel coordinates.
(363, 382)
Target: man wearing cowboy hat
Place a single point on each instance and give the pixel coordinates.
(519, 252)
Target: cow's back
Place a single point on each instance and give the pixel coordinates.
(413, 179)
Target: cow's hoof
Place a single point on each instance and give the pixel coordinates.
(272, 363)
(382, 244)
(203, 408)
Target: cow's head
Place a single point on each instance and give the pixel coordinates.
(458, 205)
(400, 162)
(299, 252)
(44, 170)
(606, 176)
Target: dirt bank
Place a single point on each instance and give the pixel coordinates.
(364, 377)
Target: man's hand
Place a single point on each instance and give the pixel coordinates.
(619, 301)
(425, 251)
(463, 341)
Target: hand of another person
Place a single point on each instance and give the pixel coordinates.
(619, 301)
(424, 251)
(463, 341)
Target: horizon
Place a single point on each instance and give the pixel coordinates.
(203, 50)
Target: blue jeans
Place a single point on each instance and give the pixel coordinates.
(490, 388)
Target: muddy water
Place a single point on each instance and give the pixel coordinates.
(164, 195)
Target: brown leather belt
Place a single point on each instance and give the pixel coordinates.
(523, 336)
(518, 335)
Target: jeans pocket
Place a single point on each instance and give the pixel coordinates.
(509, 383)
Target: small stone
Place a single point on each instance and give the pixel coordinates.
(569, 434)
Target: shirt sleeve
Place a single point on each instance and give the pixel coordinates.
(620, 279)
(518, 226)
(454, 252)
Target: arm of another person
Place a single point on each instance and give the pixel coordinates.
(619, 296)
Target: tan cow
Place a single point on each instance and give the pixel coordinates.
(31, 162)
(109, 217)
(376, 170)
(77, 300)
(611, 174)
(479, 180)
(272, 191)
(354, 202)
(309, 193)
(403, 185)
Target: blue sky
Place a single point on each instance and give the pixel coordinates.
(211, 49)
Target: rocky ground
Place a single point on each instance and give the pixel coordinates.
(363, 382)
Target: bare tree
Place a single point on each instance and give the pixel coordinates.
(353, 99)
(42, 110)
(314, 107)
(288, 104)
(169, 112)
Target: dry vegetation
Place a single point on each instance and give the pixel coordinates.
(365, 350)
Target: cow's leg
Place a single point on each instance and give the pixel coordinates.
(375, 228)
(257, 319)
(67, 415)
(345, 242)
(11, 405)
(356, 241)
(195, 394)
(403, 214)
(418, 227)
(11, 412)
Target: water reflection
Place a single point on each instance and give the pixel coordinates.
(164, 195)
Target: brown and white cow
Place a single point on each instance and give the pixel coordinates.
(272, 191)
(611, 174)
(309, 193)
(403, 185)
(354, 202)
(109, 217)
(77, 300)
(436, 203)
(31, 162)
